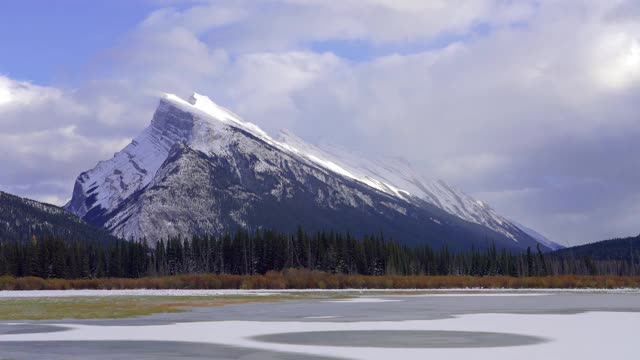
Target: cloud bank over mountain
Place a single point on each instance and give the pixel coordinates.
(531, 106)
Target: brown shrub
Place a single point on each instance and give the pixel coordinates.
(310, 279)
(7, 282)
(29, 283)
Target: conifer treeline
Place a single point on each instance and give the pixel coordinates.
(246, 254)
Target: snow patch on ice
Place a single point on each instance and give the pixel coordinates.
(363, 300)
(478, 295)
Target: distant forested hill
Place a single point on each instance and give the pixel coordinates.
(21, 219)
(627, 249)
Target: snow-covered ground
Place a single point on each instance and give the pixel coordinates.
(223, 292)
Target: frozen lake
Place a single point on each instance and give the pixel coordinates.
(538, 325)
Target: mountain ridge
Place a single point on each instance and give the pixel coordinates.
(22, 218)
(620, 249)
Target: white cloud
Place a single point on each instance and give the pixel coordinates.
(43, 147)
(263, 85)
(5, 93)
(15, 94)
(617, 60)
(196, 19)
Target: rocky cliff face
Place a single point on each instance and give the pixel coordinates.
(198, 168)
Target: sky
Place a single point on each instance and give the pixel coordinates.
(530, 106)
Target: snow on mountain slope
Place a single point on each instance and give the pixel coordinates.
(132, 168)
(204, 105)
(395, 176)
(116, 190)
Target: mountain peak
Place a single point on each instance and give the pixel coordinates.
(202, 105)
(195, 97)
(208, 110)
(208, 106)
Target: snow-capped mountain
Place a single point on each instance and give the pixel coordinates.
(199, 168)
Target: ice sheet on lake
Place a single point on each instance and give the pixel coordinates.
(594, 335)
